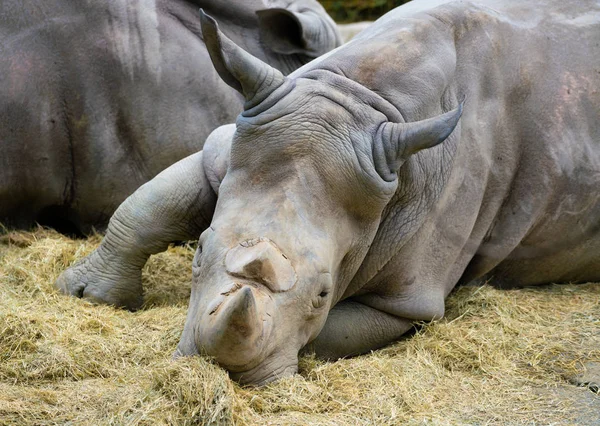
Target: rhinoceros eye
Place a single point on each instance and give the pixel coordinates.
(320, 300)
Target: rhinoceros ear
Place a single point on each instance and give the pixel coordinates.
(395, 142)
(250, 76)
(306, 32)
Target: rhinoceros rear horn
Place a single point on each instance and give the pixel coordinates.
(400, 140)
(250, 76)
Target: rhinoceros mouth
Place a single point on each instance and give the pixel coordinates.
(264, 374)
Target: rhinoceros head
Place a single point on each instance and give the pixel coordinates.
(311, 170)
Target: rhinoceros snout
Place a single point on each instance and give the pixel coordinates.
(261, 260)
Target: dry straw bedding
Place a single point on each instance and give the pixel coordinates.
(499, 357)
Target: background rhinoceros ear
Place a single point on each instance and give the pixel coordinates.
(395, 142)
(250, 76)
(308, 32)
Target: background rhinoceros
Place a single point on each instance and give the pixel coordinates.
(351, 197)
(97, 97)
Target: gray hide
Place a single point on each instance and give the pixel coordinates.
(97, 97)
(357, 197)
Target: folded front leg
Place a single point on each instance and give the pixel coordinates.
(177, 205)
(353, 329)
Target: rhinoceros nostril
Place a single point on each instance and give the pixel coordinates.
(262, 262)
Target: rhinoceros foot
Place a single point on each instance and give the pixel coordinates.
(101, 281)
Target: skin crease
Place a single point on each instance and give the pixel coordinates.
(97, 98)
(336, 171)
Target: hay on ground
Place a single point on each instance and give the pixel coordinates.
(499, 357)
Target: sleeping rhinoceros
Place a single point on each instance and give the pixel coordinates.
(352, 196)
(97, 97)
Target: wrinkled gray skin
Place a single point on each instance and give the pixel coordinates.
(355, 197)
(97, 97)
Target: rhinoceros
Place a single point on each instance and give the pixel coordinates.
(97, 97)
(443, 145)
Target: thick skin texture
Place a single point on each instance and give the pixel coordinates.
(361, 173)
(98, 97)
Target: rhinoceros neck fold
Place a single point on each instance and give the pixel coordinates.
(360, 94)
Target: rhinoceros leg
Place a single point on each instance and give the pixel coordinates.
(176, 205)
(353, 328)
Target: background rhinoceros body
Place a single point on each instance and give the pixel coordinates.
(357, 192)
(97, 97)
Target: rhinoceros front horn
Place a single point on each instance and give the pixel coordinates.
(235, 335)
(247, 74)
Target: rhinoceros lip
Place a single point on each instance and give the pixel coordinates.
(251, 378)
